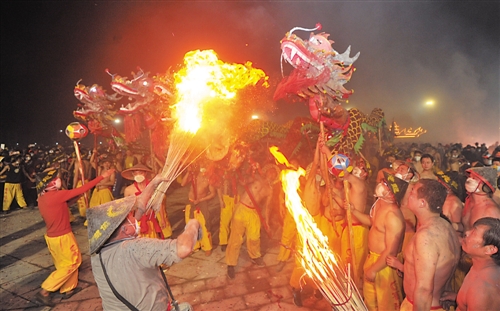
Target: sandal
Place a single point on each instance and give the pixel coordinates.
(71, 293)
(44, 300)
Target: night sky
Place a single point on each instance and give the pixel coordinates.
(411, 52)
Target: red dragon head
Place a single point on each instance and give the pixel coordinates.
(318, 67)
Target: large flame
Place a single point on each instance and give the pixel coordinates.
(320, 263)
(204, 79)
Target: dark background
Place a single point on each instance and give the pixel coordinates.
(411, 52)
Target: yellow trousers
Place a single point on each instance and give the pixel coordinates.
(10, 192)
(288, 237)
(332, 231)
(408, 306)
(206, 239)
(384, 294)
(100, 197)
(226, 213)
(246, 221)
(81, 202)
(67, 258)
(162, 218)
(360, 250)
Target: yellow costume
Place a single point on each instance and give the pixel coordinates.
(10, 192)
(288, 237)
(162, 218)
(226, 213)
(384, 294)
(360, 233)
(67, 259)
(246, 221)
(406, 305)
(100, 197)
(201, 214)
(82, 205)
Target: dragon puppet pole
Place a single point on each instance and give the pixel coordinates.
(380, 140)
(151, 152)
(80, 169)
(350, 230)
(326, 177)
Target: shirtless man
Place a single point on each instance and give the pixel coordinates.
(481, 184)
(200, 193)
(452, 207)
(102, 191)
(385, 238)
(417, 156)
(427, 162)
(228, 192)
(357, 197)
(433, 253)
(253, 205)
(480, 288)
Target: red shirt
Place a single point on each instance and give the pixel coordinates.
(54, 208)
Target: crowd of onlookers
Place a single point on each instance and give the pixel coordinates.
(21, 165)
(34, 159)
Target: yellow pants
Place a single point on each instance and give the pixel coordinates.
(226, 213)
(100, 197)
(206, 239)
(82, 203)
(162, 218)
(384, 294)
(10, 192)
(331, 231)
(288, 237)
(67, 258)
(246, 221)
(360, 250)
(408, 306)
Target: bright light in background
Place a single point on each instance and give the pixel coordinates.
(429, 103)
(60, 131)
(117, 121)
(255, 117)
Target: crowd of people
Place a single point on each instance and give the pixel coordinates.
(424, 232)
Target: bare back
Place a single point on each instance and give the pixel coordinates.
(430, 261)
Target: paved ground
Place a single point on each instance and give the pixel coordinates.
(25, 262)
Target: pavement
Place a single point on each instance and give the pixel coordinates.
(202, 281)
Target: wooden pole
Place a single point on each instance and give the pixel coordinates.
(350, 230)
(151, 152)
(80, 169)
(380, 140)
(325, 173)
